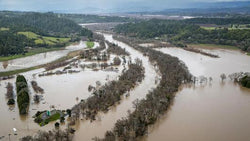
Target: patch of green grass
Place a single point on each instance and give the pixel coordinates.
(3, 28)
(44, 39)
(30, 53)
(30, 35)
(248, 53)
(53, 118)
(8, 73)
(213, 46)
(229, 28)
(90, 44)
(208, 28)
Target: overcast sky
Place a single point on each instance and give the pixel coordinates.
(53, 5)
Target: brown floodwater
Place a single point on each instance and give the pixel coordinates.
(216, 111)
(61, 91)
(39, 59)
(86, 130)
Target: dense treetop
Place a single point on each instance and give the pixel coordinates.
(187, 31)
(43, 25)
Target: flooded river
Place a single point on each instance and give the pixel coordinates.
(216, 111)
(87, 130)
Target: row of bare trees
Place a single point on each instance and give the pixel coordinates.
(108, 94)
(115, 49)
(54, 135)
(10, 94)
(157, 101)
(36, 88)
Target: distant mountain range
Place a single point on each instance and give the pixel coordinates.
(206, 8)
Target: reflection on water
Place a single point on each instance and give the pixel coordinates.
(217, 111)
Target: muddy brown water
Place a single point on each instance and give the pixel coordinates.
(39, 59)
(61, 91)
(87, 130)
(216, 111)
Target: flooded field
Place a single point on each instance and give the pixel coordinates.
(60, 92)
(39, 59)
(217, 110)
(87, 130)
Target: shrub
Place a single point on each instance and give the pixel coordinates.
(11, 102)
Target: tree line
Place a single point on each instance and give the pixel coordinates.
(157, 101)
(43, 24)
(185, 32)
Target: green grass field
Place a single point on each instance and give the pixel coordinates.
(90, 44)
(240, 27)
(3, 29)
(44, 39)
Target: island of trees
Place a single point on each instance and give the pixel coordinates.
(22, 91)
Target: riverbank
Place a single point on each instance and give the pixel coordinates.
(69, 56)
(34, 51)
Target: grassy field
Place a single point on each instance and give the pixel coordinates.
(213, 46)
(44, 39)
(30, 53)
(240, 27)
(3, 29)
(90, 44)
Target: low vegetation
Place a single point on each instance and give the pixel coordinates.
(201, 52)
(90, 44)
(36, 88)
(22, 91)
(44, 117)
(245, 81)
(10, 94)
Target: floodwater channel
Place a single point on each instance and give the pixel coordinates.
(216, 111)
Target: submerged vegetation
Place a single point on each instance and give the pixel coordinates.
(22, 94)
(115, 49)
(10, 94)
(54, 135)
(43, 118)
(157, 101)
(36, 88)
(245, 81)
(110, 93)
